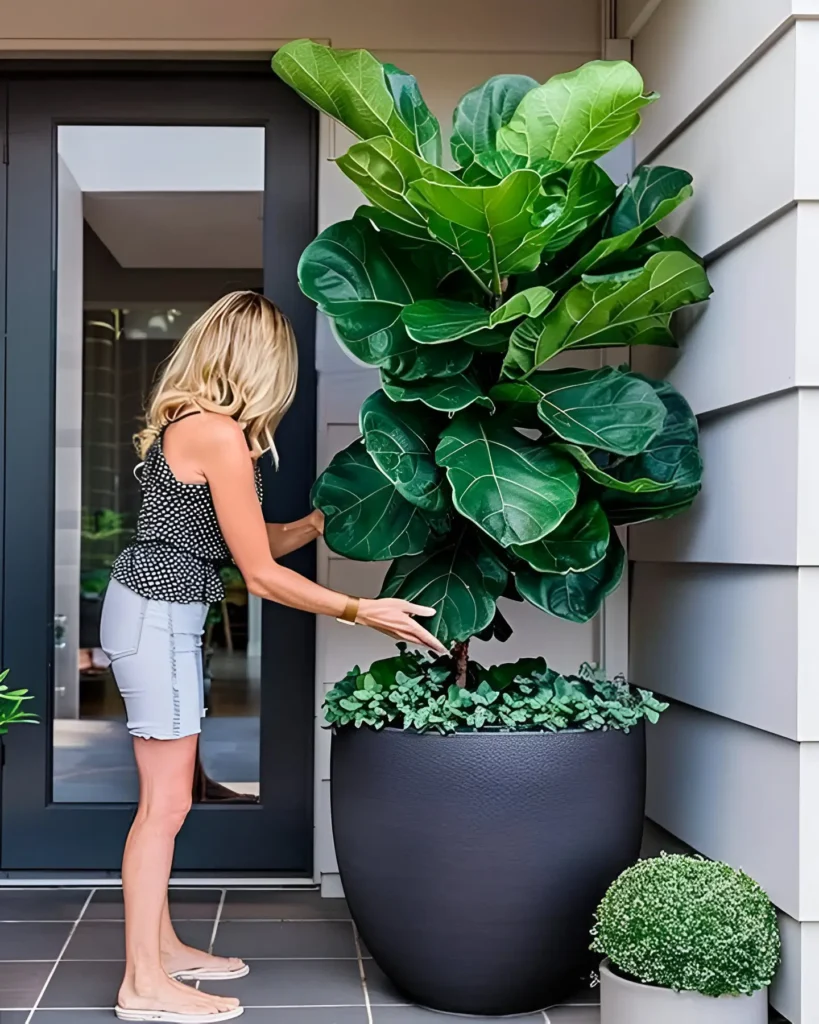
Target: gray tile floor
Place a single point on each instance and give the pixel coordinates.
(61, 954)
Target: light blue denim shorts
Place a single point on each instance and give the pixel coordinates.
(155, 649)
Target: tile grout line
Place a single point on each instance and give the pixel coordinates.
(222, 895)
(546, 1018)
(59, 957)
(362, 975)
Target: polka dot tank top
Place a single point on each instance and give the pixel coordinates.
(178, 548)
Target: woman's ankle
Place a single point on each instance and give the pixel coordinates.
(144, 979)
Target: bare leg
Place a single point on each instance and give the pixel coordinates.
(176, 956)
(165, 773)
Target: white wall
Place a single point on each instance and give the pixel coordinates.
(725, 599)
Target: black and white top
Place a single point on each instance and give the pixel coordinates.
(178, 548)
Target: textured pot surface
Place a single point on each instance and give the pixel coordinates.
(473, 863)
(628, 1002)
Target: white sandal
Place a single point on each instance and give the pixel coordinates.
(170, 1017)
(209, 974)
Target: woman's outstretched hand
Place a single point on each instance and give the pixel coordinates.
(394, 617)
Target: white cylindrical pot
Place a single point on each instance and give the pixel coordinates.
(630, 1002)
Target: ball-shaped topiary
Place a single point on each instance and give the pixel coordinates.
(689, 924)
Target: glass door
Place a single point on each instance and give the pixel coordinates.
(134, 203)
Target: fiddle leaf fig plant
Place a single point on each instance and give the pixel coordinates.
(484, 469)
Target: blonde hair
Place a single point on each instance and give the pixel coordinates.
(239, 359)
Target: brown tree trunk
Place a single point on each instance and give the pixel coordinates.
(460, 656)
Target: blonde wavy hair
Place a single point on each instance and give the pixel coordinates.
(239, 359)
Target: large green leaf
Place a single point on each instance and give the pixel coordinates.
(461, 581)
(514, 489)
(401, 442)
(386, 221)
(648, 198)
(365, 516)
(673, 455)
(490, 228)
(362, 281)
(577, 116)
(385, 170)
(415, 113)
(629, 309)
(349, 85)
(446, 395)
(578, 543)
(576, 596)
(430, 361)
(646, 247)
(482, 111)
(431, 321)
(625, 509)
(603, 408)
(529, 302)
(570, 207)
(602, 467)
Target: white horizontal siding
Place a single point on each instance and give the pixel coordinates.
(747, 511)
(688, 49)
(795, 991)
(724, 639)
(724, 142)
(731, 792)
(742, 344)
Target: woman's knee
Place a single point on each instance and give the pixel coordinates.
(167, 813)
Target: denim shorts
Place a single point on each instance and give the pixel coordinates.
(155, 649)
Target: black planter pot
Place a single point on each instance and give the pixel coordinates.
(473, 863)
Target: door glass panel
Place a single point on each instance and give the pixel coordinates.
(153, 225)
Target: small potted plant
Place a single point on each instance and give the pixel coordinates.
(687, 941)
(11, 706)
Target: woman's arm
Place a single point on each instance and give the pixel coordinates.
(283, 538)
(222, 455)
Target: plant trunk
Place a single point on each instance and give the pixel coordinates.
(460, 656)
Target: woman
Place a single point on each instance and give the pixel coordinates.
(212, 415)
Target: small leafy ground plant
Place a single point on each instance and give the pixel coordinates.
(11, 706)
(689, 924)
(414, 691)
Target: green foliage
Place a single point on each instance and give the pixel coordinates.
(689, 924)
(460, 286)
(414, 691)
(11, 706)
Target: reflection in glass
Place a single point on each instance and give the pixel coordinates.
(153, 225)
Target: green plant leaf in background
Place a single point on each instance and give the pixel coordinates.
(514, 489)
(626, 509)
(605, 408)
(575, 596)
(461, 581)
(430, 321)
(529, 302)
(365, 516)
(601, 467)
(630, 309)
(575, 545)
(424, 361)
(651, 195)
(414, 112)
(362, 281)
(490, 228)
(577, 202)
(446, 395)
(349, 85)
(401, 442)
(482, 112)
(580, 115)
(386, 221)
(385, 171)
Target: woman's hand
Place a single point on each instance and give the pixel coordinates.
(394, 617)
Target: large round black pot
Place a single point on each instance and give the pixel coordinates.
(473, 863)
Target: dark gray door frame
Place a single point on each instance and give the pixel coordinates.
(275, 836)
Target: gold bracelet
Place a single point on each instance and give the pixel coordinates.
(350, 613)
